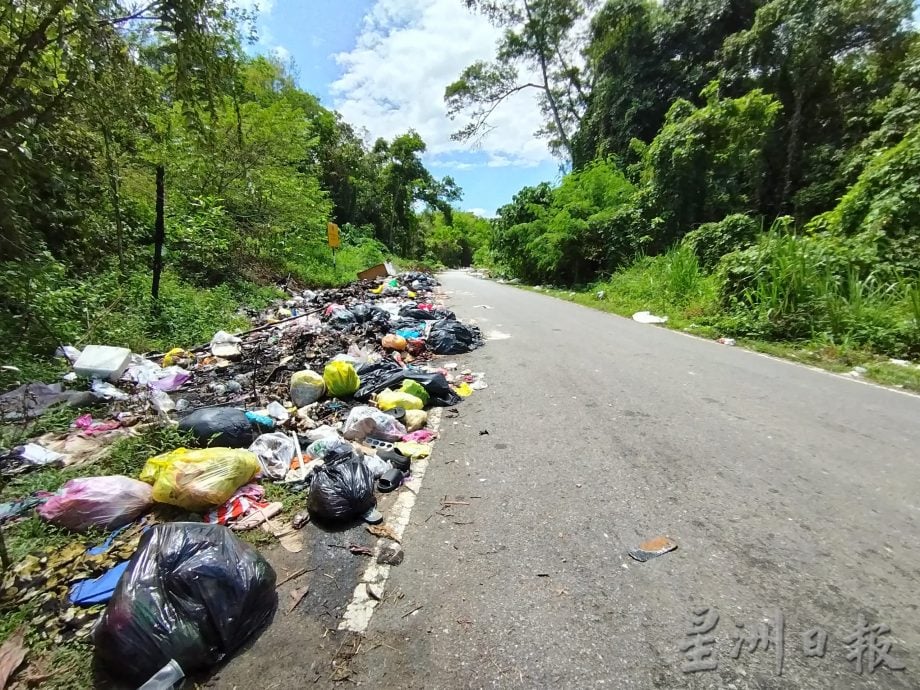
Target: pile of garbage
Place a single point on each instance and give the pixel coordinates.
(328, 394)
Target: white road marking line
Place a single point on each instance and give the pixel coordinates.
(361, 608)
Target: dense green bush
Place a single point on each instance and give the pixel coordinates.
(884, 205)
(820, 286)
(706, 162)
(711, 241)
(568, 234)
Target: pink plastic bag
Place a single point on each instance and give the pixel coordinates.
(106, 502)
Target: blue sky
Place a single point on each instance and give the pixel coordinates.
(384, 64)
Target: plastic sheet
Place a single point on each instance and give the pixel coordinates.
(192, 593)
(386, 374)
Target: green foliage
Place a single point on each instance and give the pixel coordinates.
(457, 242)
(46, 307)
(883, 206)
(820, 285)
(707, 162)
(711, 241)
(568, 234)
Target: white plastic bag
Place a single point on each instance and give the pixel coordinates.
(275, 451)
(364, 421)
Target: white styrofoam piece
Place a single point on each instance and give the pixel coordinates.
(102, 362)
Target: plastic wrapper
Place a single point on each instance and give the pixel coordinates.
(341, 379)
(199, 479)
(226, 427)
(106, 502)
(450, 337)
(275, 452)
(388, 399)
(364, 421)
(322, 448)
(342, 489)
(193, 593)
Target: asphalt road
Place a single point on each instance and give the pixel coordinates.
(788, 491)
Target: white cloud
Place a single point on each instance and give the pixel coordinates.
(282, 53)
(482, 213)
(407, 52)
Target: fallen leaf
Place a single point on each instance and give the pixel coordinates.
(360, 550)
(383, 531)
(12, 654)
(297, 596)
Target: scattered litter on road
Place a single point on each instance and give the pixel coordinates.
(648, 317)
(652, 548)
(297, 596)
(726, 341)
(391, 553)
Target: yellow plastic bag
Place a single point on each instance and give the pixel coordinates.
(463, 390)
(377, 290)
(413, 449)
(415, 420)
(199, 479)
(388, 399)
(415, 388)
(175, 355)
(341, 379)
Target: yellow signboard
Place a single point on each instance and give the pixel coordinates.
(332, 234)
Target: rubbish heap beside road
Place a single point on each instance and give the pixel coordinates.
(327, 396)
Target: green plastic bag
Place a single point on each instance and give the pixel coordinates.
(341, 379)
(415, 388)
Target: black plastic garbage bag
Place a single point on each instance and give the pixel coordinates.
(342, 488)
(387, 374)
(192, 592)
(406, 324)
(366, 313)
(223, 427)
(411, 311)
(342, 318)
(449, 337)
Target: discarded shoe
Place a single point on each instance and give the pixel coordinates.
(390, 481)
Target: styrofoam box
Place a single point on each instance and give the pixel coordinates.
(102, 362)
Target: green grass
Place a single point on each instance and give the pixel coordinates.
(861, 309)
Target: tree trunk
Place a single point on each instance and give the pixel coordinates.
(114, 185)
(792, 147)
(554, 108)
(159, 233)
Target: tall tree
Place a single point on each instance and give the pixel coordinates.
(542, 39)
(804, 51)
